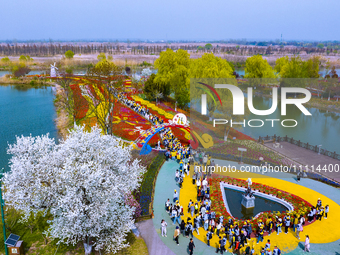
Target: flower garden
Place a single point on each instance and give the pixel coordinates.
(300, 197)
(301, 207)
(128, 125)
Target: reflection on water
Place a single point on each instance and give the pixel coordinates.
(321, 128)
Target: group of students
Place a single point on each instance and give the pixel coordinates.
(202, 216)
(173, 145)
(318, 212)
(227, 231)
(174, 149)
(142, 110)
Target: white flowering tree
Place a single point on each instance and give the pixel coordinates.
(136, 78)
(146, 72)
(82, 182)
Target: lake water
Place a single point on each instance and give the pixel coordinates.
(24, 111)
(321, 128)
(322, 71)
(34, 72)
(39, 72)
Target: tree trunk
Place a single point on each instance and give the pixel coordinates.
(226, 135)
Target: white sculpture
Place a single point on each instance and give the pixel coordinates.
(54, 70)
(249, 182)
(248, 199)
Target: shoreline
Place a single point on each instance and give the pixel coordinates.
(23, 81)
(62, 121)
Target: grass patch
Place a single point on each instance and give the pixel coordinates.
(137, 246)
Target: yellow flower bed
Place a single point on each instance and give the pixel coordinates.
(286, 243)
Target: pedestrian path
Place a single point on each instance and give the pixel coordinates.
(324, 232)
(152, 238)
(317, 163)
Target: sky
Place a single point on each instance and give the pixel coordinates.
(169, 20)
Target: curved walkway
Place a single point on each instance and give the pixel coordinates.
(164, 189)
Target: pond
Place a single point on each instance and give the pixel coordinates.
(24, 111)
(234, 198)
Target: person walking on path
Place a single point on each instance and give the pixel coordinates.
(298, 176)
(192, 209)
(175, 196)
(182, 226)
(219, 247)
(326, 211)
(276, 251)
(218, 228)
(278, 226)
(299, 229)
(164, 224)
(176, 234)
(287, 225)
(209, 237)
(267, 246)
(307, 245)
(198, 183)
(295, 222)
(191, 246)
(260, 235)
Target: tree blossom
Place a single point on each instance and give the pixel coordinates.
(146, 72)
(82, 182)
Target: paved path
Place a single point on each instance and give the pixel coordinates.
(152, 238)
(164, 189)
(308, 157)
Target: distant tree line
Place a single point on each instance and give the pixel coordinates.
(115, 48)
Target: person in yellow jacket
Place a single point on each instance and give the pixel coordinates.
(260, 235)
(279, 226)
(178, 157)
(181, 164)
(295, 222)
(233, 240)
(173, 155)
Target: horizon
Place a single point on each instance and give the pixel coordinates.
(121, 40)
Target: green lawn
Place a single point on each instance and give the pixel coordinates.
(34, 242)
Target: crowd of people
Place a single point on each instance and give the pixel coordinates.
(229, 232)
(172, 144)
(138, 108)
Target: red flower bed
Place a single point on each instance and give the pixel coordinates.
(127, 127)
(80, 104)
(125, 121)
